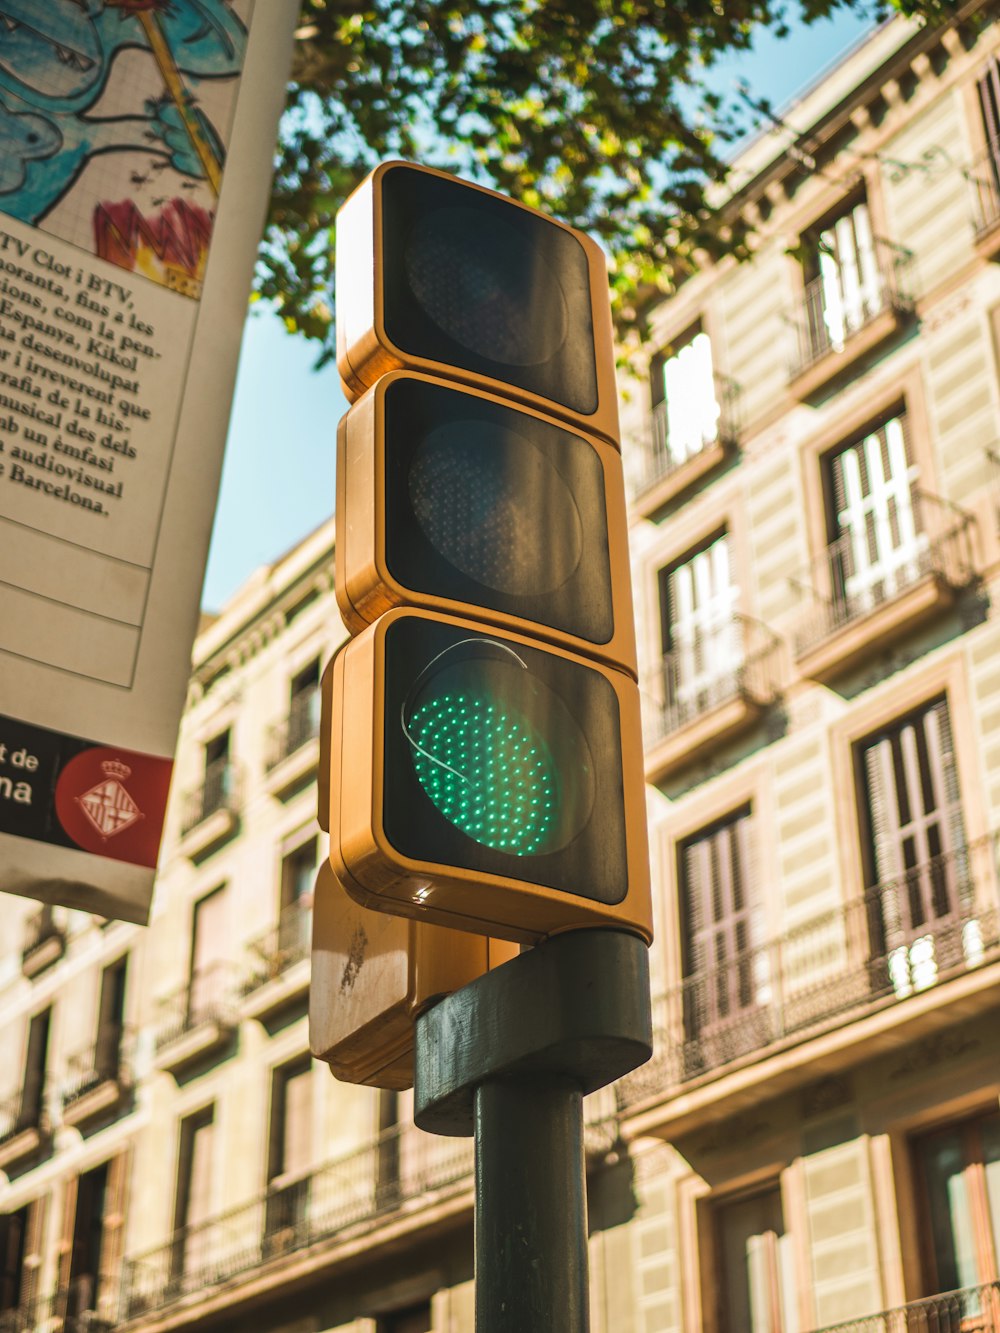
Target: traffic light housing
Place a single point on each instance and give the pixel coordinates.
(462, 501)
(440, 275)
(482, 754)
(477, 779)
(372, 975)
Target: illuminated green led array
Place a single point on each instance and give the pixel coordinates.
(486, 770)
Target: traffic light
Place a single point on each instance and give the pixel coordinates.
(372, 975)
(439, 275)
(461, 500)
(482, 750)
(482, 781)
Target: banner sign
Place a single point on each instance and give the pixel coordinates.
(136, 142)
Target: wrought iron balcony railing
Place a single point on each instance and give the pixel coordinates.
(218, 791)
(862, 571)
(108, 1059)
(398, 1168)
(301, 725)
(282, 946)
(206, 997)
(984, 177)
(736, 657)
(23, 1110)
(39, 928)
(828, 319)
(903, 937)
(970, 1310)
(661, 451)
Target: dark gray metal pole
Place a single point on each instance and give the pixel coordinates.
(531, 1208)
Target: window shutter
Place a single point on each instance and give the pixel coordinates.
(944, 778)
(113, 1242)
(886, 864)
(64, 1250)
(988, 86)
(34, 1250)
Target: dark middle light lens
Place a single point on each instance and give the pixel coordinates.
(483, 496)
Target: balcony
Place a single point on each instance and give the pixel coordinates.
(971, 1310)
(197, 1022)
(293, 746)
(98, 1080)
(858, 962)
(665, 467)
(399, 1176)
(860, 599)
(210, 811)
(708, 691)
(984, 177)
(833, 333)
(24, 1125)
(279, 963)
(44, 942)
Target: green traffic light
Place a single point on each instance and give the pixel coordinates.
(486, 769)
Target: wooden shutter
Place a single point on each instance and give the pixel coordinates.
(296, 1147)
(988, 87)
(208, 937)
(849, 274)
(720, 923)
(113, 1243)
(34, 1251)
(918, 866)
(703, 642)
(875, 519)
(64, 1249)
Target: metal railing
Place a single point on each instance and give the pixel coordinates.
(108, 1059)
(399, 1168)
(735, 658)
(826, 325)
(282, 946)
(40, 927)
(903, 937)
(658, 455)
(984, 177)
(292, 732)
(206, 997)
(860, 572)
(24, 1109)
(969, 1310)
(219, 790)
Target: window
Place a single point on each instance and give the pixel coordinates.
(702, 642)
(298, 880)
(111, 1020)
(217, 773)
(725, 962)
(686, 412)
(303, 709)
(208, 936)
(290, 1148)
(756, 1274)
(387, 1184)
(919, 890)
(958, 1180)
(844, 288)
(13, 1247)
(194, 1190)
(33, 1092)
(877, 547)
(86, 1253)
(988, 88)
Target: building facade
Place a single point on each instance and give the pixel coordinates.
(813, 450)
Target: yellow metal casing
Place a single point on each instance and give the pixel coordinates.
(572, 297)
(379, 875)
(367, 586)
(372, 974)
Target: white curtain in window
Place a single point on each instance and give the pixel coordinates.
(691, 406)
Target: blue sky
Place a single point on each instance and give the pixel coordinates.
(278, 476)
